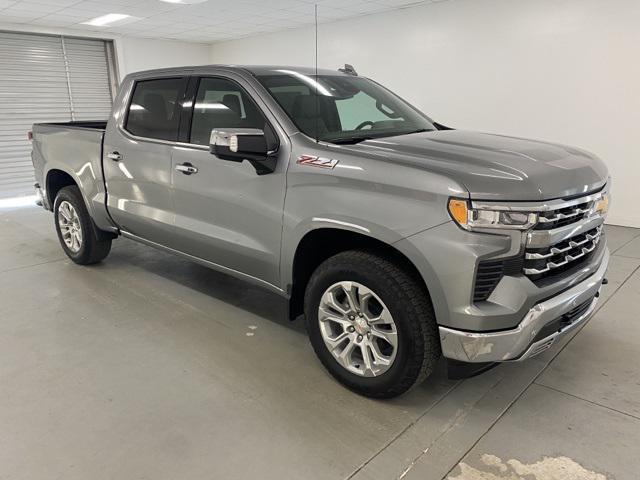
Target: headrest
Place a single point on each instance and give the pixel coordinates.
(155, 105)
(304, 106)
(232, 102)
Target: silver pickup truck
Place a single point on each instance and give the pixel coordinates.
(400, 239)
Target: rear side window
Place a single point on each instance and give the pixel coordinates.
(154, 111)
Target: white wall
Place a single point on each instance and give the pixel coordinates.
(136, 54)
(561, 70)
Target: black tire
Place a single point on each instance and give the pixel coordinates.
(410, 306)
(92, 249)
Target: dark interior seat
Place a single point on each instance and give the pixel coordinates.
(309, 114)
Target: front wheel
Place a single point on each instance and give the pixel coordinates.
(75, 228)
(371, 323)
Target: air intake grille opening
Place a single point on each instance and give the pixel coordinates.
(489, 274)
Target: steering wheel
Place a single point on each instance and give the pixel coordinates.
(366, 123)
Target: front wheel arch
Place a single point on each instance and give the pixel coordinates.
(320, 244)
(350, 349)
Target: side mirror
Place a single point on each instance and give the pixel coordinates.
(239, 144)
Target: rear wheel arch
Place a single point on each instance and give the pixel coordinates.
(88, 246)
(56, 181)
(318, 245)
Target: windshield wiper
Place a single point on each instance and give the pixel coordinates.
(353, 140)
(348, 140)
(419, 130)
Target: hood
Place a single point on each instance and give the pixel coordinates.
(495, 167)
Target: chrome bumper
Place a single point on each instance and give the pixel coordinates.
(516, 344)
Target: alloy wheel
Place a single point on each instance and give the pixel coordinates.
(358, 329)
(70, 226)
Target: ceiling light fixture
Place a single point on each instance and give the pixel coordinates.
(105, 20)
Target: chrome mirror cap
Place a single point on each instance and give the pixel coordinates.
(228, 137)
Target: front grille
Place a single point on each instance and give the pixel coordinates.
(564, 216)
(568, 231)
(544, 262)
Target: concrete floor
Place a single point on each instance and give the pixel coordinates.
(151, 367)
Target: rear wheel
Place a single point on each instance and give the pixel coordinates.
(371, 324)
(75, 228)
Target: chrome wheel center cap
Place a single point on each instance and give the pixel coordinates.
(361, 325)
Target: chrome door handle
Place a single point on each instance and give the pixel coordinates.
(115, 156)
(186, 168)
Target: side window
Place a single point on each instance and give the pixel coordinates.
(154, 110)
(222, 103)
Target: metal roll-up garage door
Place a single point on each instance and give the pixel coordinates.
(46, 78)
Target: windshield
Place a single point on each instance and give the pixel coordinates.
(342, 109)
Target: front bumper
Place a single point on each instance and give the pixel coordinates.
(523, 341)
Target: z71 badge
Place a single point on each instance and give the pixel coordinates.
(313, 161)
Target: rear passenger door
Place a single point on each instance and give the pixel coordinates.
(227, 212)
(137, 159)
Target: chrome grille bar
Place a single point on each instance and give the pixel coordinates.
(549, 238)
(563, 216)
(565, 261)
(571, 244)
(590, 243)
(567, 232)
(544, 206)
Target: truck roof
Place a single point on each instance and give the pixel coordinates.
(251, 69)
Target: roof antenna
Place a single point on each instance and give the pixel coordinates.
(316, 73)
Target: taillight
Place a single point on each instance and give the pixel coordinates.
(30, 135)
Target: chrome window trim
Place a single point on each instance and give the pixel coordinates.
(162, 142)
(227, 75)
(196, 146)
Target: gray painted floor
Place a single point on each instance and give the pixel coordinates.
(151, 367)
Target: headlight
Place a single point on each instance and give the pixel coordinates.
(471, 219)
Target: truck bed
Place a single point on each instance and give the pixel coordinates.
(73, 149)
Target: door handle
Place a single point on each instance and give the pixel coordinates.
(115, 156)
(186, 168)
